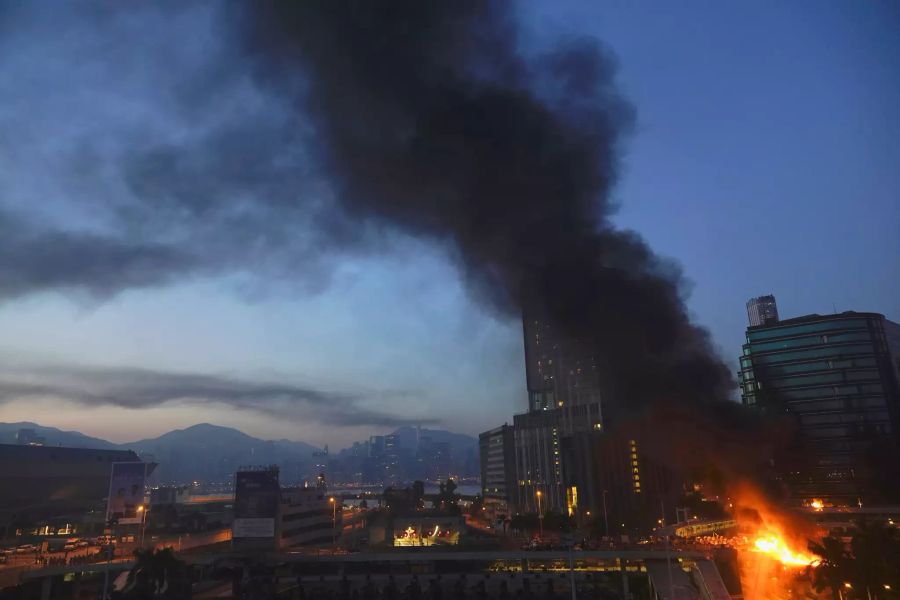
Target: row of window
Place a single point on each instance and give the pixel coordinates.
(875, 416)
(806, 329)
(825, 401)
(848, 430)
(808, 367)
(830, 351)
(815, 340)
(834, 391)
(835, 377)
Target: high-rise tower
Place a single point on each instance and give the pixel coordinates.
(762, 310)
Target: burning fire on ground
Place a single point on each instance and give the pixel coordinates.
(776, 547)
(772, 547)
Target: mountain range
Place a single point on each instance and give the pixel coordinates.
(211, 453)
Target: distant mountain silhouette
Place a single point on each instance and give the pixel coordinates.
(53, 436)
(202, 452)
(211, 453)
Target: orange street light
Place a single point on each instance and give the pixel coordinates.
(143, 513)
(333, 521)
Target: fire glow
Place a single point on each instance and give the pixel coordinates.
(775, 546)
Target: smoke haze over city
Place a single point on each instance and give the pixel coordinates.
(199, 213)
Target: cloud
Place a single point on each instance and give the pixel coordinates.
(141, 388)
(34, 259)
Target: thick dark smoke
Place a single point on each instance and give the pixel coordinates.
(284, 133)
(429, 118)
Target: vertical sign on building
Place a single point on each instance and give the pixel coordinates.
(256, 494)
(126, 492)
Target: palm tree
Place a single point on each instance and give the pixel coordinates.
(834, 567)
(157, 574)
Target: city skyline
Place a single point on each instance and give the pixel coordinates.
(365, 342)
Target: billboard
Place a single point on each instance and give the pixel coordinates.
(126, 492)
(255, 503)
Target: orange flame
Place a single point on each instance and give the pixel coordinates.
(775, 546)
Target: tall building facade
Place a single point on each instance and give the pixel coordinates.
(558, 371)
(565, 392)
(565, 459)
(837, 376)
(762, 311)
(498, 470)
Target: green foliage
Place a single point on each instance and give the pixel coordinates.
(418, 494)
(475, 509)
(871, 564)
(157, 575)
(834, 566)
(524, 522)
(447, 500)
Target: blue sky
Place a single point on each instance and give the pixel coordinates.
(765, 160)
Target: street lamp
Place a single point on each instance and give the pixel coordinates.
(333, 521)
(143, 512)
(540, 513)
(605, 519)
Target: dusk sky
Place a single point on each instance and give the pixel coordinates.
(765, 159)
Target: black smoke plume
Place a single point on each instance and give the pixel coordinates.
(430, 117)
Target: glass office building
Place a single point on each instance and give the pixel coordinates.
(837, 376)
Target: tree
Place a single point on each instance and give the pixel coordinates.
(477, 506)
(447, 498)
(524, 522)
(876, 549)
(364, 504)
(834, 567)
(157, 574)
(418, 494)
(871, 565)
(556, 521)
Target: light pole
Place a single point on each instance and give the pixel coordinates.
(141, 509)
(333, 521)
(540, 513)
(605, 519)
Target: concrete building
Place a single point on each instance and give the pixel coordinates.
(837, 376)
(565, 391)
(37, 482)
(762, 311)
(498, 471)
(558, 371)
(307, 516)
(565, 460)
